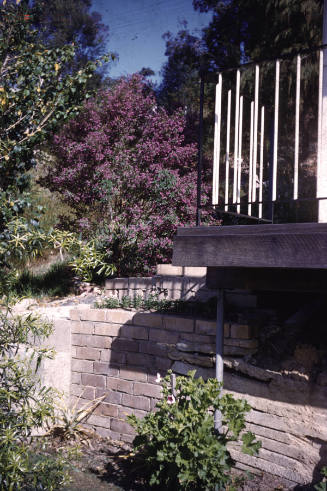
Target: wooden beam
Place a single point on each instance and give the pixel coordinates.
(292, 246)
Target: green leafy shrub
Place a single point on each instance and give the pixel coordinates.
(25, 406)
(322, 485)
(152, 302)
(24, 241)
(178, 445)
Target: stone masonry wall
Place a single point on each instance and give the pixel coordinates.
(118, 354)
(171, 282)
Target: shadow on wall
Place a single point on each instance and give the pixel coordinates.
(118, 353)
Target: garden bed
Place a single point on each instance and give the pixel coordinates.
(102, 467)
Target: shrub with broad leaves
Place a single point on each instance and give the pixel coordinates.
(178, 445)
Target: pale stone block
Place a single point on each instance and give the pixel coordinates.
(180, 324)
(163, 336)
(82, 366)
(85, 353)
(136, 402)
(93, 380)
(135, 332)
(121, 427)
(82, 327)
(142, 283)
(149, 390)
(95, 315)
(117, 316)
(105, 409)
(102, 421)
(130, 374)
(195, 271)
(120, 385)
(169, 270)
(74, 315)
(147, 319)
(107, 329)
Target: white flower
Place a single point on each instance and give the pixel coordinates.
(158, 379)
(171, 399)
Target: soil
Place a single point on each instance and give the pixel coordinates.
(107, 465)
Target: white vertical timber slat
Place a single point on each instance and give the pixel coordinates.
(229, 105)
(250, 160)
(237, 114)
(216, 155)
(255, 133)
(321, 69)
(239, 157)
(274, 183)
(297, 127)
(322, 168)
(262, 139)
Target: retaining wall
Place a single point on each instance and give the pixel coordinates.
(118, 354)
(171, 282)
(176, 283)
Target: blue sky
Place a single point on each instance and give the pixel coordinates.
(136, 28)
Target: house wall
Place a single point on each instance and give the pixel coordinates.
(118, 354)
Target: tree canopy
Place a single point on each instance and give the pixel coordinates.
(37, 94)
(244, 30)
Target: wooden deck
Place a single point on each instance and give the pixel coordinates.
(257, 256)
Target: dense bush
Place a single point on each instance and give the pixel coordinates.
(37, 93)
(25, 407)
(24, 240)
(178, 445)
(124, 168)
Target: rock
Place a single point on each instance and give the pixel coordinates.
(25, 304)
(196, 348)
(175, 355)
(182, 368)
(202, 361)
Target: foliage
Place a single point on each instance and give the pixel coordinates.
(178, 444)
(37, 94)
(25, 406)
(61, 23)
(69, 419)
(153, 302)
(180, 73)
(322, 485)
(23, 240)
(243, 30)
(124, 168)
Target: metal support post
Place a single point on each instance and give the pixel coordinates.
(219, 350)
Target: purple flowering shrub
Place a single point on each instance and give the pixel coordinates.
(124, 168)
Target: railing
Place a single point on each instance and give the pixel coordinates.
(268, 139)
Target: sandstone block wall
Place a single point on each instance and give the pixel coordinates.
(175, 283)
(118, 353)
(171, 282)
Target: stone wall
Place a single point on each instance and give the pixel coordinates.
(176, 283)
(171, 282)
(118, 354)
